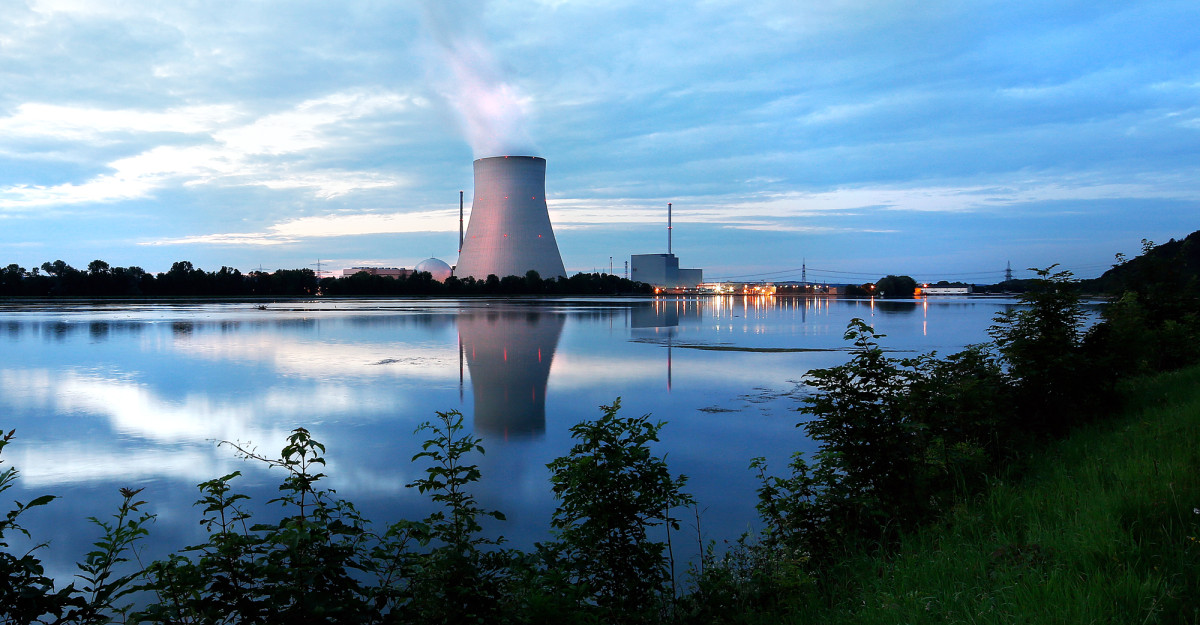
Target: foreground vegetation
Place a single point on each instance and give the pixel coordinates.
(991, 485)
(1102, 528)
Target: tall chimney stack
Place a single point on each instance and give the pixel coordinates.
(668, 227)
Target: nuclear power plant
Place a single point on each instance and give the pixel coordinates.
(509, 232)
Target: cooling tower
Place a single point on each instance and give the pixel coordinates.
(509, 232)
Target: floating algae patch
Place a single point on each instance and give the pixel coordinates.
(766, 350)
(763, 397)
(738, 348)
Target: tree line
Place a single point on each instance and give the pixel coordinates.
(58, 279)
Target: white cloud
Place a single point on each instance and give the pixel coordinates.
(334, 225)
(100, 189)
(763, 212)
(75, 123)
(306, 127)
(945, 198)
(219, 152)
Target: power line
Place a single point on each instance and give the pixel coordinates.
(830, 275)
(835, 273)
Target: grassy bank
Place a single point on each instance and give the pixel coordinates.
(1102, 527)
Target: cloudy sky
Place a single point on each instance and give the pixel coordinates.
(862, 137)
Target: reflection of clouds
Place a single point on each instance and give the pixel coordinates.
(577, 371)
(574, 370)
(185, 431)
(74, 463)
(135, 410)
(326, 359)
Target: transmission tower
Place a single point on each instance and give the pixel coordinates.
(1008, 272)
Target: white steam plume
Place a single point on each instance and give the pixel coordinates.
(491, 111)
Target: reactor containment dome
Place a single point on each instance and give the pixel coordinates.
(509, 233)
(435, 267)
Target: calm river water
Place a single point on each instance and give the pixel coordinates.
(137, 394)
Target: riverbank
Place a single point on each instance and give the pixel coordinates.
(1101, 527)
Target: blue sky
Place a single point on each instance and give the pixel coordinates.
(935, 139)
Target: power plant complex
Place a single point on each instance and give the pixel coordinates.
(509, 233)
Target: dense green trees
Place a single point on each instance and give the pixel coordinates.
(183, 279)
(895, 286)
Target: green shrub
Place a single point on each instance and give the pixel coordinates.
(28, 596)
(1040, 342)
(612, 490)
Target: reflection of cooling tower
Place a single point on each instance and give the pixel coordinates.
(509, 232)
(509, 355)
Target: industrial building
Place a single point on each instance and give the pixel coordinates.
(662, 270)
(387, 272)
(938, 289)
(509, 232)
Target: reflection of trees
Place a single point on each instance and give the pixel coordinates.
(892, 307)
(421, 320)
(509, 352)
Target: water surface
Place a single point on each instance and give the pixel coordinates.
(138, 394)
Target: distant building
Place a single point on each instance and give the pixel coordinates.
(387, 272)
(435, 267)
(954, 289)
(662, 270)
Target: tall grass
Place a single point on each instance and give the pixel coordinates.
(1102, 527)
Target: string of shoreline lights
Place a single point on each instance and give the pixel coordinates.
(819, 275)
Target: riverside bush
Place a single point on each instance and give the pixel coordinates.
(612, 490)
(1041, 345)
(901, 439)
